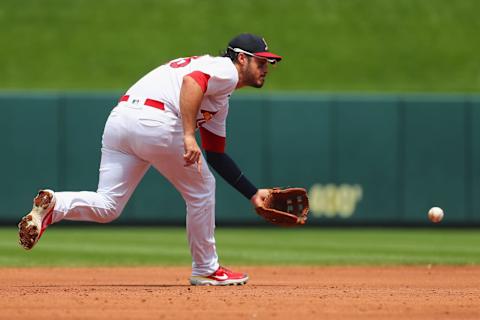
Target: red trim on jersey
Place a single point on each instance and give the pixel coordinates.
(201, 78)
(212, 142)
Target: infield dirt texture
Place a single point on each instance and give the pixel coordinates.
(446, 292)
(309, 273)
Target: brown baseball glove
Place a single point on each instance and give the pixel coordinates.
(285, 207)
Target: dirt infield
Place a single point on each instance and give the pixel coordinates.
(272, 293)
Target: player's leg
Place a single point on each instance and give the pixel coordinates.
(159, 140)
(120, 173)
(121, 169)
(132, 132)
(198, 190)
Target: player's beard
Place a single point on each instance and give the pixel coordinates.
(250, 79)
(253, 81)
(258, 84)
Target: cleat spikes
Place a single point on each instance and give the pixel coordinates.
(33, 225)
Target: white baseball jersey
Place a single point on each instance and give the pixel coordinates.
(217, 76)
(138, 136)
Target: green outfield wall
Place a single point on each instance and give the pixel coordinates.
(366, 160)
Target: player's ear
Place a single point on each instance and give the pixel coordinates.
(242, 59)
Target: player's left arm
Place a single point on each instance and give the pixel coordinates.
(214, 146)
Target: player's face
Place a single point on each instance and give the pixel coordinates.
(256, 70)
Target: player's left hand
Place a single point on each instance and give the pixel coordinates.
(192, 154)
(259, 197)
(284, 207)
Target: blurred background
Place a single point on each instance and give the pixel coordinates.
(375, 108)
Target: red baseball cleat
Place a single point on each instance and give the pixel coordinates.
(221, 277)
(32, 226)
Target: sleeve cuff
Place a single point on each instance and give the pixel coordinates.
(201, 78)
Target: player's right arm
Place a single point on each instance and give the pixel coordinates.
(191, 95)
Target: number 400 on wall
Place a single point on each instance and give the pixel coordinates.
(332, 200)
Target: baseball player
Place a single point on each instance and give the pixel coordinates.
(154, 124)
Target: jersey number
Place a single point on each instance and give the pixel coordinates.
(182, 62)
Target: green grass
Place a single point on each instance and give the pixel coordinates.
(107, 246)
(329, 45)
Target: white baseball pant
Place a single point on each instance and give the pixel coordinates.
(135, 137)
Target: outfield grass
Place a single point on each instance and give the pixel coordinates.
(347, 45)
(107, 246)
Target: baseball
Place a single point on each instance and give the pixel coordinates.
(435, 214)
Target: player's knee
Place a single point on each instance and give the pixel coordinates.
(202, 198)
(209, 185)
(110, 215)
(112, 210)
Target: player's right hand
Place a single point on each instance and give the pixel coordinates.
(192, 154)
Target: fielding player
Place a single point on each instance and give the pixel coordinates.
(154, 124)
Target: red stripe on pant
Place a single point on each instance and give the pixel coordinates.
(148, 102)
